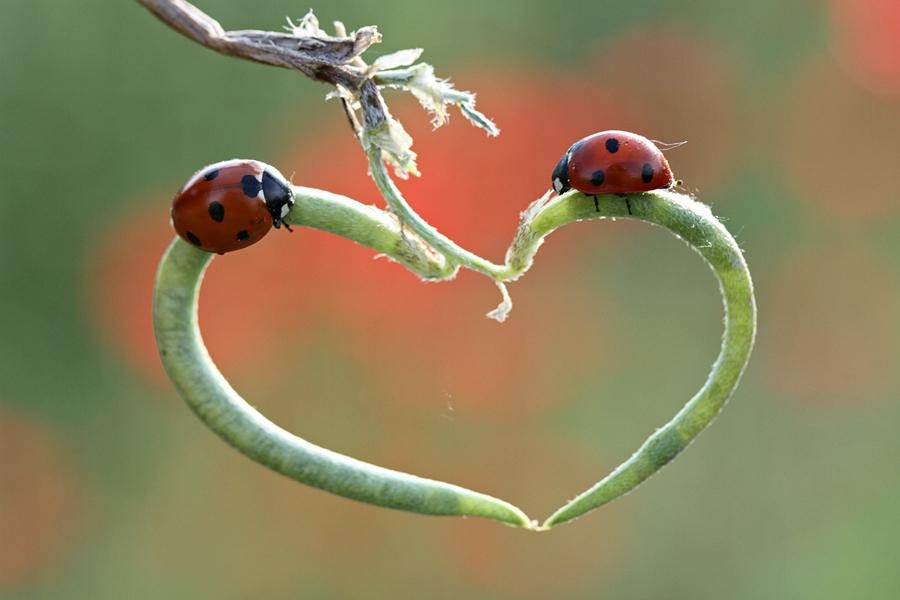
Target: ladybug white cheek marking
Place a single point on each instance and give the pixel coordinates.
(285, 209)
(557, 185)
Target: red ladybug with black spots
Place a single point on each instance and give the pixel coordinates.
(231, 204)
(612, 162)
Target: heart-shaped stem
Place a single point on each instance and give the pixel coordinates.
(225, 412)
(219, 406)
(430, 255)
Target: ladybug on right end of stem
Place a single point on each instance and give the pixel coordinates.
(612, 162)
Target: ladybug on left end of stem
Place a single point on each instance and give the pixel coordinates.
(231, 204)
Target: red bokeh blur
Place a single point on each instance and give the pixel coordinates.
(838, 146)
(40, 499)
(868, 41)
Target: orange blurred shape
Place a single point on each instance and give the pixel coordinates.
(829, 317)
(839, 148)
(681, 88)
(868, 36)
(40, 500)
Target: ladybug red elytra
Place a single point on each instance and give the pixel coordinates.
(612, 162)
(231, 204)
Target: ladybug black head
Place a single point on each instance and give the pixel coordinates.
(278, 195)
(560, 176)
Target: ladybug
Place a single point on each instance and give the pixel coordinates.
(612, 162)
(232, 204)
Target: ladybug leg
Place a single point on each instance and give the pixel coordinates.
(277, 223)
(628, 204)
(596, 203)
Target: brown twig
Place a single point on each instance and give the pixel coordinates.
(337, 61)
(324, 58)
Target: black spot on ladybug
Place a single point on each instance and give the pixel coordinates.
(211, 175)
(193, 238)
(216, 211)
(251, 186)
(243, 235)
(597, 177)
(612, 145)
(646, 173)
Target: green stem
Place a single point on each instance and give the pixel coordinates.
(221, 408)
(369, 226)
(695, 224)
(407, 215)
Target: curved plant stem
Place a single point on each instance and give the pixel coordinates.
(453, 251)
(221, 408)
(694, 223)
(369, 226)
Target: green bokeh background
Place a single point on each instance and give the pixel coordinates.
(110, 488)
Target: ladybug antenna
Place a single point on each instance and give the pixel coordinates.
(286, 226)
(666, 146)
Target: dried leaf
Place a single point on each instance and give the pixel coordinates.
(401, 58)
(395, 145)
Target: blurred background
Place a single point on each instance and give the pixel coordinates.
(111, 488)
